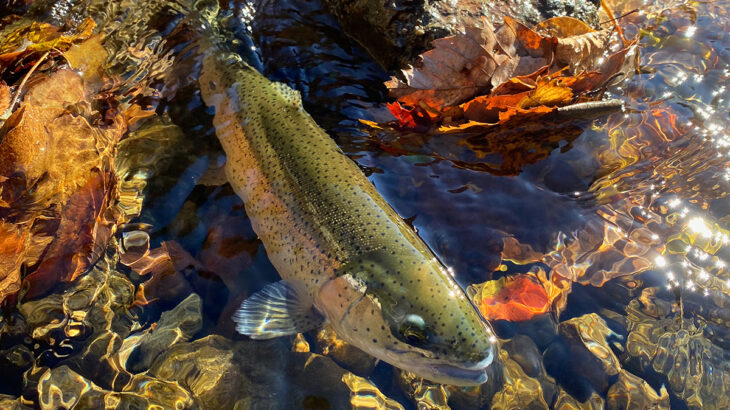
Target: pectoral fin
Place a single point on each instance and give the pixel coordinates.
(276, 310)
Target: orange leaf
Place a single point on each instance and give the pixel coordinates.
(412, 118)
(531, 42)
(563, 26)
(12, 245)
(521, 114)
(514, 298)
(487, 108)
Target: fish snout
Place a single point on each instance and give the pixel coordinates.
(481, 364)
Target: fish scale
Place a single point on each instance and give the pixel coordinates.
(332, 237)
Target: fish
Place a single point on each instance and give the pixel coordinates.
(344, 255)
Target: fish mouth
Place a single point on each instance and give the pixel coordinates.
(459, 376)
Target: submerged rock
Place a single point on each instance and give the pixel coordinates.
(63, 388)
(591, 357)
(425, 394)
(223, 374)
(176, 325)
(366, 396)
(632, 392)
(696, 368)
(11, 403)
(395, 32)
(343, 353)
(565, 401)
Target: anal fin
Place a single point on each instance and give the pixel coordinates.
(276, 310)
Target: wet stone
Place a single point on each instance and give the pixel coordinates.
(11, 403)
(366, 396)
(176, 325)
(524, 352)
(261, 373)
(343, 353)
(565, 401)
(508, 387)
(425, 394)
(696, 369)
(591, 357)
(61, 387)
(632, 392)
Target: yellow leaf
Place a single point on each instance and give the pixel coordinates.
(41, 37)
(563, 27)
(549, 94)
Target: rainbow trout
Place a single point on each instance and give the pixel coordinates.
(343, 253)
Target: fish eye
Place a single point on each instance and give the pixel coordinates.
(413, 330)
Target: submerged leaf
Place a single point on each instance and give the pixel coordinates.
(57, 181)
(514, 298)
(12, 245)
(39, 38)
(80, 238)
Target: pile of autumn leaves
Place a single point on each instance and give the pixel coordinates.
(485, 77)
(58, 136)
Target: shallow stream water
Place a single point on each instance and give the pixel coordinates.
(630, 210)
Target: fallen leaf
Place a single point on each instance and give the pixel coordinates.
(520, 114)
(583, 51)
(486, 109)
(88, 56)
(563, 26)
(457, 68)
(12, 244)
(530, 42)
(76, 244)
(415, 118)
(514, 298)
(57, 181)
(39, 38)
(614, 69)
(549, 93)
(5, 98)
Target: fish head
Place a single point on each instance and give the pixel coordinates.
(408, 311)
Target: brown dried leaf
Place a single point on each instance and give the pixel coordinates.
(583, 51)
(617, 67)
(571, 42)
(12, 245)
(56, 179)
(528, 41)
(76, 244)
(457, 68)
(22, 148)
